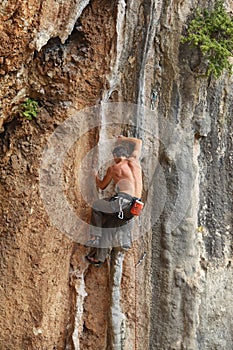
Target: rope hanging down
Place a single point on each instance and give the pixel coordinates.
(136, 264)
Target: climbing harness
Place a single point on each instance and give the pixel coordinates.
(135, 209)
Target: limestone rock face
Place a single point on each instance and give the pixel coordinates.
(173, 288)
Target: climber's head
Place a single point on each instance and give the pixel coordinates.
(120, 152)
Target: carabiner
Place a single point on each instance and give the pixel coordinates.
(121, 214)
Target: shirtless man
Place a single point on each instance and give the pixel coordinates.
(126, 174)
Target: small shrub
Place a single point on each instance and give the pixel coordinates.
(29, 109)
(212, 32)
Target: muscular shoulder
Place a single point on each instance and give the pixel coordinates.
(133, 161)
(110, 170)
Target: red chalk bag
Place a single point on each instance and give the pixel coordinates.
(136, 208)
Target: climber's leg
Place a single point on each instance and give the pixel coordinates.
(102, 210)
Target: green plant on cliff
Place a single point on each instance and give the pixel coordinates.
(212, 32)
(29, 109)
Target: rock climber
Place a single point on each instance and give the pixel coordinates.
(126, 174)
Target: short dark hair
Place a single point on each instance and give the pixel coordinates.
(120, 151)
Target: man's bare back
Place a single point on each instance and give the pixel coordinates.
(127, 175)
(126, 172)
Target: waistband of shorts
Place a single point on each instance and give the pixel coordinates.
(127, 196)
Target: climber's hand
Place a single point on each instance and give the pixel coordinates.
(120, 138)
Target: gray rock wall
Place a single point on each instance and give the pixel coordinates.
(186, 258)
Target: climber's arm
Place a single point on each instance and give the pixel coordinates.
(137, 145)
(102, 184)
